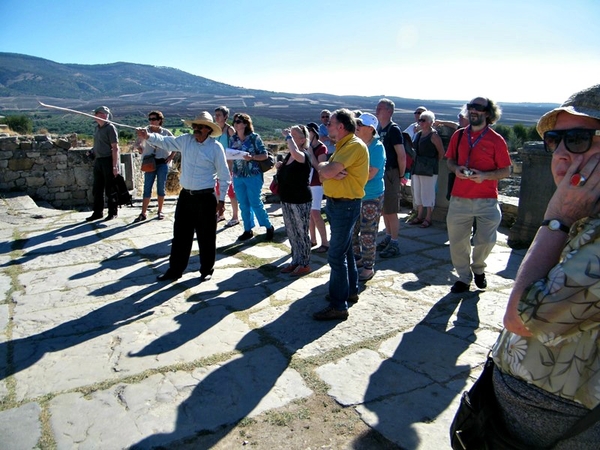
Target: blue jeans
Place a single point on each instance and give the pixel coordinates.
(248, 192)
(343, 278)
(160, 174)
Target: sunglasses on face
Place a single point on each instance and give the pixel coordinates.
(422, 120)
(153, 119)
(200, 127)
(324, 117)
(576, 140)
(477, 107)
(238, 121)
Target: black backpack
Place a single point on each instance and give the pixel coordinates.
(121, 192)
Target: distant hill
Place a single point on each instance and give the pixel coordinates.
(136, 88)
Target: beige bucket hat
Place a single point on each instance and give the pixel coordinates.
(583, 103)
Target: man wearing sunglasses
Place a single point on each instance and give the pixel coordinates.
(202, 161)
(479, 159)
(547, 359)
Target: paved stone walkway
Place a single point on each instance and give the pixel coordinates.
(94, 353)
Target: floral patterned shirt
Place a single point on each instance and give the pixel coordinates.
(563, 313)
(252, 144)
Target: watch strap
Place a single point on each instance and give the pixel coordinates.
(561, 226)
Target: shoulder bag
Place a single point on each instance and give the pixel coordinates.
(477, 425)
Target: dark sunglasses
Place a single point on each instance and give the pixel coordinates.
(476, 107)
(200, 127)
(238, 121)
(153, 119)
(324, 117)
(422, 120)
(576, 140)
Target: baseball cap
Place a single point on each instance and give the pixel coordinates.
(420, 109)
(584, 103)
(102, 109)
(368, 120)
(313, 127)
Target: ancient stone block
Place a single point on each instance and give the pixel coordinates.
(63, 143)
(6, 155)
(17, 164)
(8, 144)
(35, 181)
(41, 138)
(26, 145)
(59, 179)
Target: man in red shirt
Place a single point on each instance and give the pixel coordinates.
(479, 159)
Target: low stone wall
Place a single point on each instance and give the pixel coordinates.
(49, 170)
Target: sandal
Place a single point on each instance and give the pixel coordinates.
(416, 221)
(161, 216)
(232, 223)
(425, 224)
(322, 249)
(139, 218)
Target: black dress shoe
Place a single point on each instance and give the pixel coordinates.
(459, 287)
(206, 277)
(168, 276)
(110, 217)
(270, 233)
(246, 235)
(480, 281)
(93, 217)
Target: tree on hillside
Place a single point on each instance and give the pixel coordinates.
(19, 124)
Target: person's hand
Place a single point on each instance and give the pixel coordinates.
(460, 172)
(514, 324)
(142, 133)
(278, 164)
(571, 203)
(341, 175)
(477, 176)
(115, 171)
(286, 132)
(220, 208)
(247, 157)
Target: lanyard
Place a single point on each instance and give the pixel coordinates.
(473, 144)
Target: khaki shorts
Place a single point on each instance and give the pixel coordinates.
(391, 195)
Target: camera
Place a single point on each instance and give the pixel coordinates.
(467, 172)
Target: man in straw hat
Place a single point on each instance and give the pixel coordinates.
(202, 162)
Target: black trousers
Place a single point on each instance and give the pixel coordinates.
(194, 213)
(104, 183)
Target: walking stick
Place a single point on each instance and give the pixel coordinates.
(86, 114)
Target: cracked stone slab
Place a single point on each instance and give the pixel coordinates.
(167, 407)
(419, 419)
(46, 365)
(372, 377)
(20, 428)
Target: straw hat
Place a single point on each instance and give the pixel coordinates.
(584, 103)
(204, 118)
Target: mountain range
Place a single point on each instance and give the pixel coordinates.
(136, 88)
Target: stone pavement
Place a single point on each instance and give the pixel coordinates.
(94, 353)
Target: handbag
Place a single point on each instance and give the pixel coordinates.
(268, 163)
(477, 425)
(149, 163)
(274, 186)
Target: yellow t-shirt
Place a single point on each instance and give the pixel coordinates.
(353, 154)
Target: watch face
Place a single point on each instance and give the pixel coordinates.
(554, 225)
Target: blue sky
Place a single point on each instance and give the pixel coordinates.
(509, 50)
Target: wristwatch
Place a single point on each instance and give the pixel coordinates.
(555, 225)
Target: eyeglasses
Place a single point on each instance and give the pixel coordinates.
(422, 120)
(418, 112)
(238, 121)
(153, 119)
(200, 127)
(324, 117)
(576, 140)
(477, 107)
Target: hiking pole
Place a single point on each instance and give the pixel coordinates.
(86, 114)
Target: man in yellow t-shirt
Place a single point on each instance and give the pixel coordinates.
(344, 177)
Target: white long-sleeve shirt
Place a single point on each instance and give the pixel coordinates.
(201, 163)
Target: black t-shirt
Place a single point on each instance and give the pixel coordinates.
(391, 135)
(293, 181)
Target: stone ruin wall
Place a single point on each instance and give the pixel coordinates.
(51, 169)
